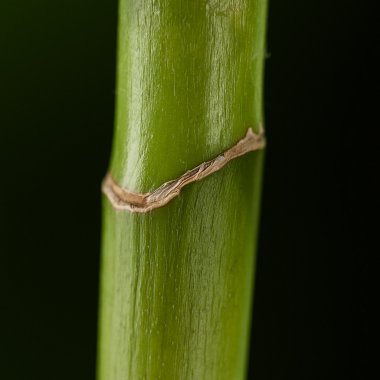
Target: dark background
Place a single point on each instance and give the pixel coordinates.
(57, 64)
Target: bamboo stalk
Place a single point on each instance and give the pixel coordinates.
(176, 282)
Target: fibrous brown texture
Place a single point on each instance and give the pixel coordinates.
(124, 199)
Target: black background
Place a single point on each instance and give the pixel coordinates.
(57, 64)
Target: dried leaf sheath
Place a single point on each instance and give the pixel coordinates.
(123, 199)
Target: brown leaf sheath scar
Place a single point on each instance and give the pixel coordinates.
(123, 199)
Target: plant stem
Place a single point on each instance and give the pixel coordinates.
(176, 282)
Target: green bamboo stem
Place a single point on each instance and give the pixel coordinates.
(176, 283)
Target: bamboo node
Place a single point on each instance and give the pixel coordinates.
(124, 199)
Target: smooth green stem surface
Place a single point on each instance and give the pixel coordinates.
(176, 283)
